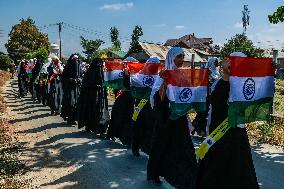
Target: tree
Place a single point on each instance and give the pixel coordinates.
(277, 16)
(241, 43)
(5, 62)
(114, 38)
(91, 48)
(41, 54)
(24, 38)
(134, 45)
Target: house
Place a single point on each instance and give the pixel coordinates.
(190, 41)
(160, 51)
(111, 55)
(277, 55)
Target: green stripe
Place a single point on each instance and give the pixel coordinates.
(115, 84)
(141, 92)
(242, 112)
(180, 109)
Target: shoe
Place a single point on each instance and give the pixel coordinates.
(135, 152)
(71, 123)
(156, 181)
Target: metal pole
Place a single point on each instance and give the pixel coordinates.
(192, 60)
(59, 30)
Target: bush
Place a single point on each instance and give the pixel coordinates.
(5, 62)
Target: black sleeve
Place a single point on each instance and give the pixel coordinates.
(219, 102)
(126, 81)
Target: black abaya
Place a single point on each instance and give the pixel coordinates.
(228, 163)
(172, 155)
(93, 100)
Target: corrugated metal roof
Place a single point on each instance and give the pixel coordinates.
(161, 51)
(120, 53)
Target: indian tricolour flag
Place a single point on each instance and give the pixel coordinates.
(142, 78)
(113, 74)
(251, 90)
(186, 90)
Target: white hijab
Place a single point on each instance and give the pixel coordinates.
(169, 65)
(211, 65)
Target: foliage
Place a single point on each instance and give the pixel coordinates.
(114, 38)
(5, 62)
(241, 43)
(277, 16)
(134, 45)
(41, 54)
(279, 98)
(24, 38)
(272, 133)
(91, 48)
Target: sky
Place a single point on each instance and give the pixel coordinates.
(160, 20)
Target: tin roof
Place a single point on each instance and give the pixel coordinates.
(119, 53)
(161, 51)
(191, 41)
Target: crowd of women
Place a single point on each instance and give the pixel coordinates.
(77, 92)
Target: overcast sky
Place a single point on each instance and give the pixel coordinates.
(160, 19)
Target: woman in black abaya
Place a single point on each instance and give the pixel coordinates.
(92, 103)
(228, 163)
(172, 155)
(121, 113)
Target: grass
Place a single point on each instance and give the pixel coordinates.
(272, 133)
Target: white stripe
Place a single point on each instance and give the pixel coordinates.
(139, 80)
(192, 94)
(251, 89)
(116, 74)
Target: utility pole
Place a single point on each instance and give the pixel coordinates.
(245, 18)
(59, 31)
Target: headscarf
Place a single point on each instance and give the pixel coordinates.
(71, 69)
(153, 60)
(212, 68)
(130, 59)
(240, 54)
(169, 65)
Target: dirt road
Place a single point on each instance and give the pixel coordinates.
(61, 156)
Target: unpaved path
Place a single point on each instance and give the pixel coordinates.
(61, 156)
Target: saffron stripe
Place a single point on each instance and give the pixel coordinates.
(251, 67)
(187, 77)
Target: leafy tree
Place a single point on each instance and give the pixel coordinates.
(41, 54)
(114, 38)
(241, 43)
(24, 38)
(277, 16)
(91, 48)
(5, 62)
(134, 45)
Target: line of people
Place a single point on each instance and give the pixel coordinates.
(78, 94)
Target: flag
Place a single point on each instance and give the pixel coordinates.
(142, 78)
(251, 90)
(113, 74)
(187, 89)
